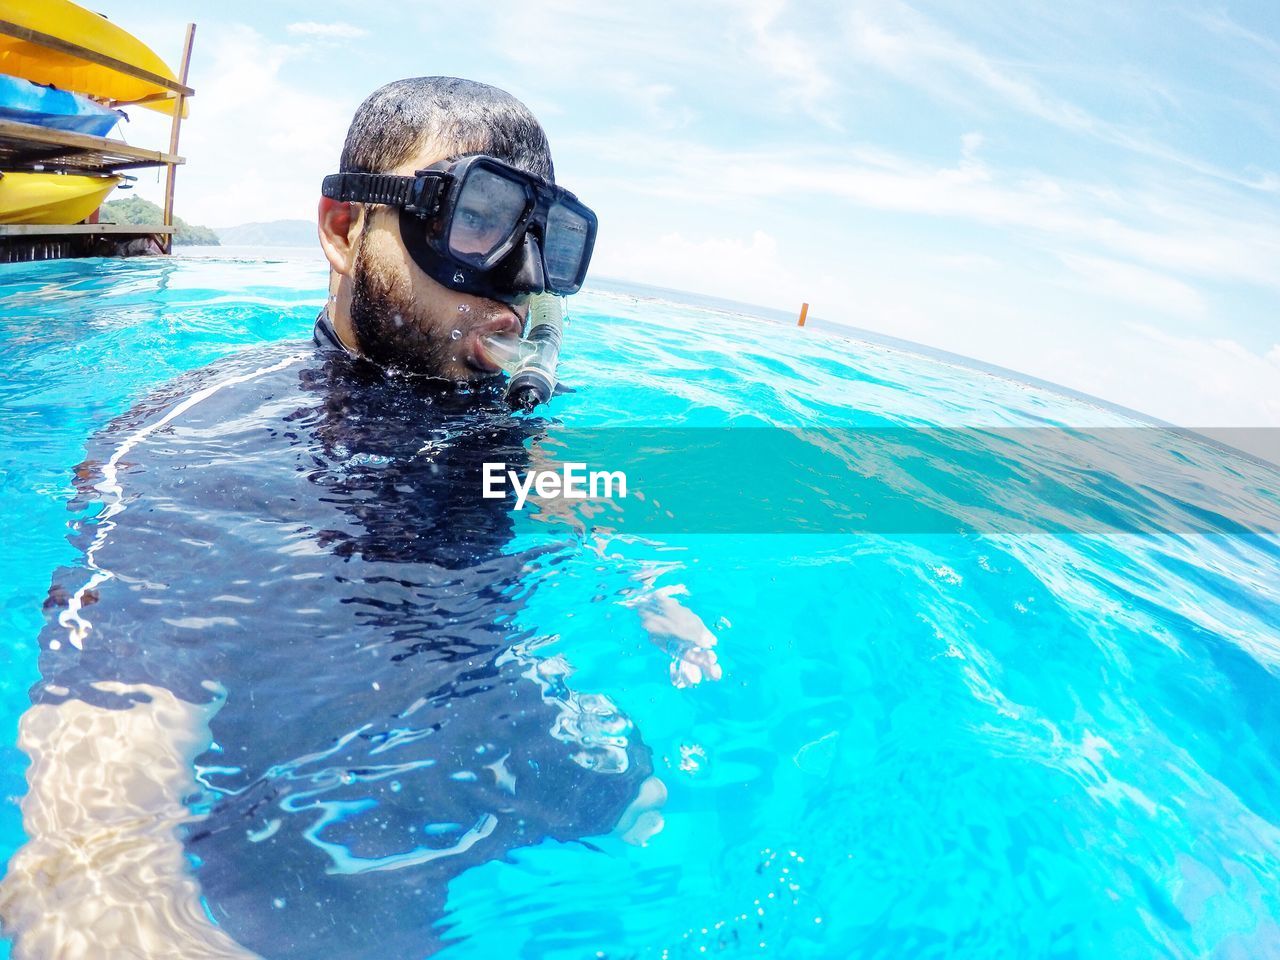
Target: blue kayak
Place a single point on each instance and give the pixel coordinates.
(28, 102)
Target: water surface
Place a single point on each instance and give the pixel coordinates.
(924, 743)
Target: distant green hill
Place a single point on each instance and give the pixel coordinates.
(273, 233)
(139, 211)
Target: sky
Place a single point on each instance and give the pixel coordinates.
(1088, 193)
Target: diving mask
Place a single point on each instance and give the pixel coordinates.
(481, 226)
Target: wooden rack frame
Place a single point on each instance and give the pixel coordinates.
(26, 146)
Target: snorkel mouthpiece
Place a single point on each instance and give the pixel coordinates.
(531, 363)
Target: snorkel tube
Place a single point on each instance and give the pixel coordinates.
(531, 363)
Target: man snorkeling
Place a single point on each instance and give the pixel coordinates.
(442, 224)
(292, 655)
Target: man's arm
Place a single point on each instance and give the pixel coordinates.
(103, 872)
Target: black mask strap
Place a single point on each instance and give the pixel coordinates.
(369, 188)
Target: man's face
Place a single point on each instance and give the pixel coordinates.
(405, 320)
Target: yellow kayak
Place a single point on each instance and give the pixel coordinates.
(73, 24)
(51, 197)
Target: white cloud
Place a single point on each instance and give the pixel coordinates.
(717, 265)
(1144, 287)
(792, 59)
(1193, 234)
(731, 52)
(913, 49)
(327, 31)
(257, 144)
(660, 104)
(588, 36)
(1220, 23)
(1198, 381)
(967, 261)
(909, 46)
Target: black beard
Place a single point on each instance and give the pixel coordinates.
(388, 330)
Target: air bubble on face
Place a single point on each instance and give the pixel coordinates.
(456, 335)
(458, 277)
(465, 308)
(397, 320)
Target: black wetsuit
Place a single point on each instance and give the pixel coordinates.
(309, 541)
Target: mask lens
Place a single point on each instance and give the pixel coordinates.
(564, 244)
(485, 216)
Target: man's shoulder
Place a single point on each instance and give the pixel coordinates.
(243, 388)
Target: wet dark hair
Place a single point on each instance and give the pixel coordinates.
(463, 116)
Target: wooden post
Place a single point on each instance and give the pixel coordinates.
(179, 104)
(804, 312)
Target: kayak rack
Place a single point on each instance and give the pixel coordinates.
(26, 146)
(29, 147)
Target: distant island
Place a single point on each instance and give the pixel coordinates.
(275, 233)
(135, 210)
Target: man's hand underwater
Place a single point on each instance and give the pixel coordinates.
(678, 630)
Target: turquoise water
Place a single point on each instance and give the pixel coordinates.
(923, 744)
